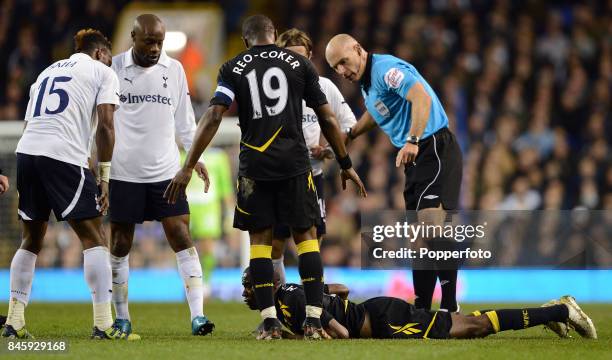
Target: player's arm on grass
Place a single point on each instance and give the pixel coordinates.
(205, 131)
(332, 327)
(338, 289)
(336, 330)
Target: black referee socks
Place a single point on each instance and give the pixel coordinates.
(311, 271)
(424, 282)
(448, 284)
(517, 319)
(262, 273)
(447, 274)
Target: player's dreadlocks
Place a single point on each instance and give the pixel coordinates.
(87, 40)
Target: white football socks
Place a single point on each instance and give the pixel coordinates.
(313, 311)
(97, 268)
(21, 276)
(190, 269)
(121, 273)
(269, 312)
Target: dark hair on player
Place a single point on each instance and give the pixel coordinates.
(247, 281)
(294, 37)
(256, 26)
(87, 40)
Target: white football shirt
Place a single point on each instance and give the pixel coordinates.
(155, 108)
(61, 114)
(310, 122)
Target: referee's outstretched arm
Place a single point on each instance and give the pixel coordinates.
(366, 123)
(331, 132)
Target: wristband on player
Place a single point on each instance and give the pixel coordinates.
(104, 171)
(345, 162)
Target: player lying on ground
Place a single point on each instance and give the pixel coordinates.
(393, 318)
(275, 182)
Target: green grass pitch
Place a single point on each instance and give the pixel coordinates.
(166, 335)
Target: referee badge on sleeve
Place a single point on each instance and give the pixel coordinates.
(394, 77)
(382, 109)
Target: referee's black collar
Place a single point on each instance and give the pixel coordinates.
(366, 79)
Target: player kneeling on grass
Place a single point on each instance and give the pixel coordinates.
(392, 318)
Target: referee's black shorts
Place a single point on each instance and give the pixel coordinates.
(435, 178)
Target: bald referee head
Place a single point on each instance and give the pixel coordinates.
(346, 56)
(148, 38)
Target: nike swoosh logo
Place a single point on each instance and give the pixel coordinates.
(265, 146)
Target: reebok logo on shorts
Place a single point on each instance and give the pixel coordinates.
(431, 197)
(407, 329)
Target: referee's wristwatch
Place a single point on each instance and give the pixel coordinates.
(413, 139)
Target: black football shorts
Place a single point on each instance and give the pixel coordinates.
(282, 231)
(134, 203)
(393, 318)
(263, 204)
(46, 184)
(435, 177)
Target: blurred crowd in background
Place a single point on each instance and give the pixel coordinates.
(526, 86)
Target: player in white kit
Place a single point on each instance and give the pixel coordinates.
(66, 103)
(299, 42)
(155, 106)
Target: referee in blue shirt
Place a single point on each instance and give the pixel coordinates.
(405, 107)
